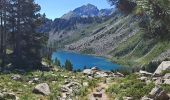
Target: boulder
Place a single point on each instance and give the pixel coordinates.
(16, 77)
(165, 65)
(88, 71)
(42, 88)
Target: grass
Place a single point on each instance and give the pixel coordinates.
(129, 87)
(24, 90)
(137, 51)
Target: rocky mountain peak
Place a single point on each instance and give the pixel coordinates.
(88, 10)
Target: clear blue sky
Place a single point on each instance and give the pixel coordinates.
(56, 8)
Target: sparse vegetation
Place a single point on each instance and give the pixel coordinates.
(129, 86)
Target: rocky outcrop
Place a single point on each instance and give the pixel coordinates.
(107, 39)
(165, 65)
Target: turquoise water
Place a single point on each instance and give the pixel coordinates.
(81, 60)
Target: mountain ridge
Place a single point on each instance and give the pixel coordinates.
(88, 10)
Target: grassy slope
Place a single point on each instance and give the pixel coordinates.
(137, 51)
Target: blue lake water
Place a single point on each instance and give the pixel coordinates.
(81, 60)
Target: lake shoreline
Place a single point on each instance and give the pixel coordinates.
(102, 62)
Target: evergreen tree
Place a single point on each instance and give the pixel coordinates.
(68, 65)
(57, 62)
(27, 41)
(19, 20)
(126, 6)
(158, 12)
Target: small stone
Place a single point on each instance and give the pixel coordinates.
(127, 98)
(86, 84)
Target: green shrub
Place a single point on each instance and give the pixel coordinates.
(166, 87)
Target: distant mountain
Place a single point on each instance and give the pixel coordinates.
(88, 10)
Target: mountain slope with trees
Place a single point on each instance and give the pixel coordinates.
(144, 30)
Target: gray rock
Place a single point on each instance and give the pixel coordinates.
(88, 71)
(16, 77)
(159, 81)
(94, 68)
(42, 88)
(145, 73)
(146, 98)
(143, 78)
(86, 84)
(167, 81)
(65, 89)
(165, 65)
(127, 98)
(35, 80)
(73, 84)
(117, 74)
(167, 76)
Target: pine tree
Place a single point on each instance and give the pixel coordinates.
(68, 65)
(27, 41)
(57, 62)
